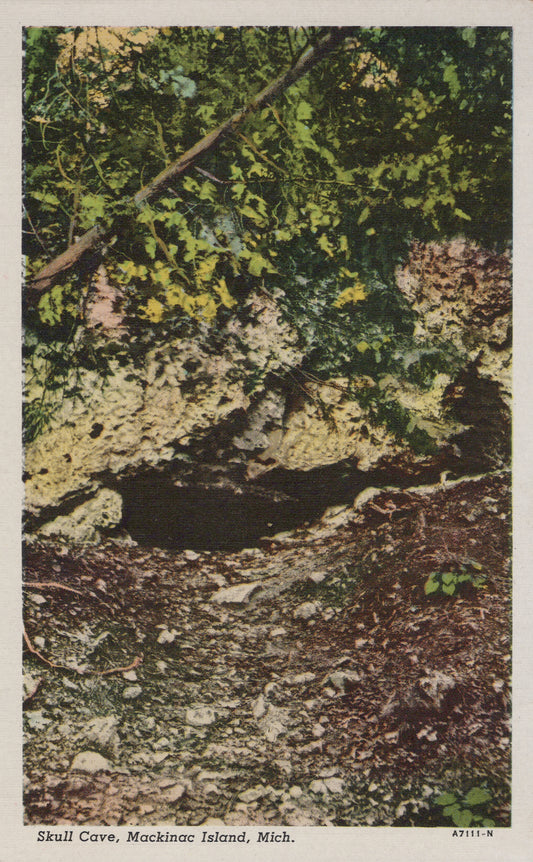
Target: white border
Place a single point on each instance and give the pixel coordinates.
(19, 843)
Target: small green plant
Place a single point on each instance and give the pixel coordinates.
(450, 583)
(472, 808)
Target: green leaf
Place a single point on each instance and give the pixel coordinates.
(305, 138)
(462, 818)
(238, 190)
(446, 799)
(431, 586)
(450, 77)
(325, 245)
(448, 577)
(448, 589)
(252, 214)
(207, 192)
(461, 214)
(477, 796)
(150, 246)
(258, 263)
(303, 111)
(469, 35)
(93, 207)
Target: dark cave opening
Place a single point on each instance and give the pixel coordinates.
(158, 512)
(203, 509)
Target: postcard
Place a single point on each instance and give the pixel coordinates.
(267, 460)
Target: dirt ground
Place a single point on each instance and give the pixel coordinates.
(308, 681)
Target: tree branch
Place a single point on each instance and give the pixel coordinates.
(96, 236)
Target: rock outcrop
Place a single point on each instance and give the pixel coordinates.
(203, 428)
(463, 293)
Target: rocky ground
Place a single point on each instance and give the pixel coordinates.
(307, 681)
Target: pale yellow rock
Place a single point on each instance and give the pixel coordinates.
(82, 525)
(134, 416)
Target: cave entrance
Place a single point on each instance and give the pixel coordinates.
(159, 512)
(212, 508)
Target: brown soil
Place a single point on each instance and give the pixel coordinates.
(361, 713)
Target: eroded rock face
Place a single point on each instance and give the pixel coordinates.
(83, 525)
(142, 417)
(463, 293)
(184, 438)
(330, 426)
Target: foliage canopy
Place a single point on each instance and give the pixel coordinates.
(401, 133)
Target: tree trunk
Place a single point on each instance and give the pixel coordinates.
(96, 236)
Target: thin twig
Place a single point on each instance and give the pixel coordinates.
(135, 663)
(36, 652)
(43, 585)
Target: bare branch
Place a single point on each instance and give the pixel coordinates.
(97, 236)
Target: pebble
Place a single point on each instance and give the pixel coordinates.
(306, 610)
(174, 793)
(37, 599)
(237, 595)
(334, 785)
(343, 680)
(102, 732)
(252, 795)
(131, 692)
(317, 577)
(273, 723)
(259, 708)
(200, 716)
(318, 786)
(90, 761)
(166, 636)
(301, 678)
(318, 731)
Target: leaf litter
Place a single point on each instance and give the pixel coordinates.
(254, 711)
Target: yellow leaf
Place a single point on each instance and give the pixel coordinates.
(225, 297)
(206, 267)
(356, 293)
(175, 295)
(206, 306)
(154, 310)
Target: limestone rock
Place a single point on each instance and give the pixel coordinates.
(83, 525)
(236, 595)
(102, 733)
(200, 716)
(310, 439)
(131, 692)
(438, 688)
(462, 293)
(90, 761)
(274, 723)
(183, 417)
(306, 610)
(343, 680)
